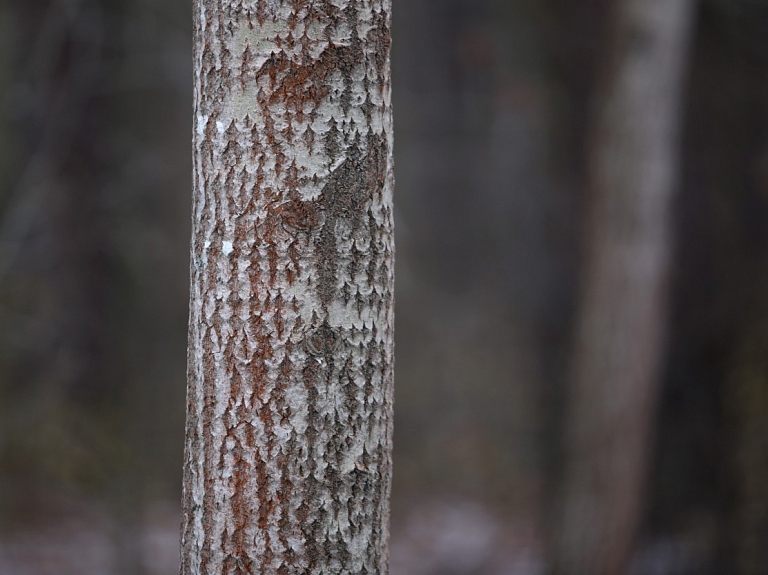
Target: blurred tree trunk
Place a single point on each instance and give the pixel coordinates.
(746, 394)
(287, 464)
(54, 267)
(711, 462)
(632, 175)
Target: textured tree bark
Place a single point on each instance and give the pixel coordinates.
(288, 465)
(632, 171)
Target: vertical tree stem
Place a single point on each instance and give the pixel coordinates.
(633, 169)
(289, 422)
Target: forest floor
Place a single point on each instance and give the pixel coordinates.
(438, 538)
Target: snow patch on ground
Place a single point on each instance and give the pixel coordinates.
(451, 537)
(462, 538)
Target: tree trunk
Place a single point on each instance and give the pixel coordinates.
(289, 425)
(632, 172)
(746, 402)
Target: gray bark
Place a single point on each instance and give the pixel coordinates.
(289, 424)
(633, 165)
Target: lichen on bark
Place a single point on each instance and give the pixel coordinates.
(290, 368)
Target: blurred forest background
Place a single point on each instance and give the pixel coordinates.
(494, 102)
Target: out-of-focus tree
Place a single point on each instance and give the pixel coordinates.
(92, 255)
(53, 264)
(631, 175)
(710, 465)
